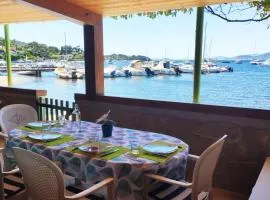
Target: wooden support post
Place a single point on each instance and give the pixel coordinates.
(94, 59)
(8, 55)
(198, 55)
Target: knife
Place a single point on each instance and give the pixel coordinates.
(108, 152)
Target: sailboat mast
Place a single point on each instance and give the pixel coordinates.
(204, 42)
(65, 44)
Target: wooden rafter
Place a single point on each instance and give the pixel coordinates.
(65, 9)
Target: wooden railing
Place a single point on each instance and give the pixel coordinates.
(51, 109)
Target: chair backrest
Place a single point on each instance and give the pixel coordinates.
(205, 168)
(42, 178)
(2, 196)
(15, 115)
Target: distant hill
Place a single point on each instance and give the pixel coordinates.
(263, 56)
(125, 57)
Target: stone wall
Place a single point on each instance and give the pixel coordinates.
(244, 152)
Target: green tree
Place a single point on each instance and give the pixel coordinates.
(66, 50)
(231, 12)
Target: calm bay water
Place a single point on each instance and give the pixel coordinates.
(248, 86)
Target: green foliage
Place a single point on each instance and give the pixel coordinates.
(262, 11)
(125, 57)
(78, 56)
(37, 51)
(262, 7)
(153, 15)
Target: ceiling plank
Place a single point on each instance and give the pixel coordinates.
(65, 9)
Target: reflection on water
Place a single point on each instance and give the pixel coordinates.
(247, 86)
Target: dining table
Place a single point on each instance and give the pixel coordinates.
(126, 169)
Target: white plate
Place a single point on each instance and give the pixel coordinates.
(40, 124)
(159, 149)
(45, 136)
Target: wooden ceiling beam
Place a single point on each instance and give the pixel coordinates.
(65, 9)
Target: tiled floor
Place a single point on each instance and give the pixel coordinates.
(220, 194)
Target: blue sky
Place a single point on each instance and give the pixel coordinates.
(172, 37)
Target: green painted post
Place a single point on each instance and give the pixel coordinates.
(198, 55)
(8, 56)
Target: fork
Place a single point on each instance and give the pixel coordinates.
(134, 158)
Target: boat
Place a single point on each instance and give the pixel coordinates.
(68, 73)
(113, 72)
(27, 73)
(256, 62)
(226, 61)
(238, 61)
(136, 68)
(2, 63)
(266, 63)
(185, 68)
(163, 68)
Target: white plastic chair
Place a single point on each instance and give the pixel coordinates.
(201, 186)
(12, 116)
(17, 195)
(44, 180)
(15, 115)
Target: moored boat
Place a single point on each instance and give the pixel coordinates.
(68, 73)
(238, 62)
(256, 62)
(27, 73)
(266, 63)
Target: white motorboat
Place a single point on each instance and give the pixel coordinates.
(68, 73)
(266, 63)
(205, 68)
(256, 62)
(186, 68)
(2, 63)
(163, 68)
(136, 68)
(134, 71)
(108, 71)
(112, 72)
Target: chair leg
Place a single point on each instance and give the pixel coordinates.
(110, 191)
(145, 188)
(210, 195)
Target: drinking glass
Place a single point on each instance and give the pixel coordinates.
(47, 127)
(134, 148)
(94, 142)
(61, 120)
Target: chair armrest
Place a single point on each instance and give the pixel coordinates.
(14, 171)
(168, 180)
(193, 157)
(1, 150)
(92, 189)
(3, 134)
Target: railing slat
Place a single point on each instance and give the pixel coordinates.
(47, 110)
(62, 107)
(57, 108)
(39, 99)
(51, 110)
(67, 113)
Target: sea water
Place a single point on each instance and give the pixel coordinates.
(247, 86)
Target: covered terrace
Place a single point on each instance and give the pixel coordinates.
(248, 142)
